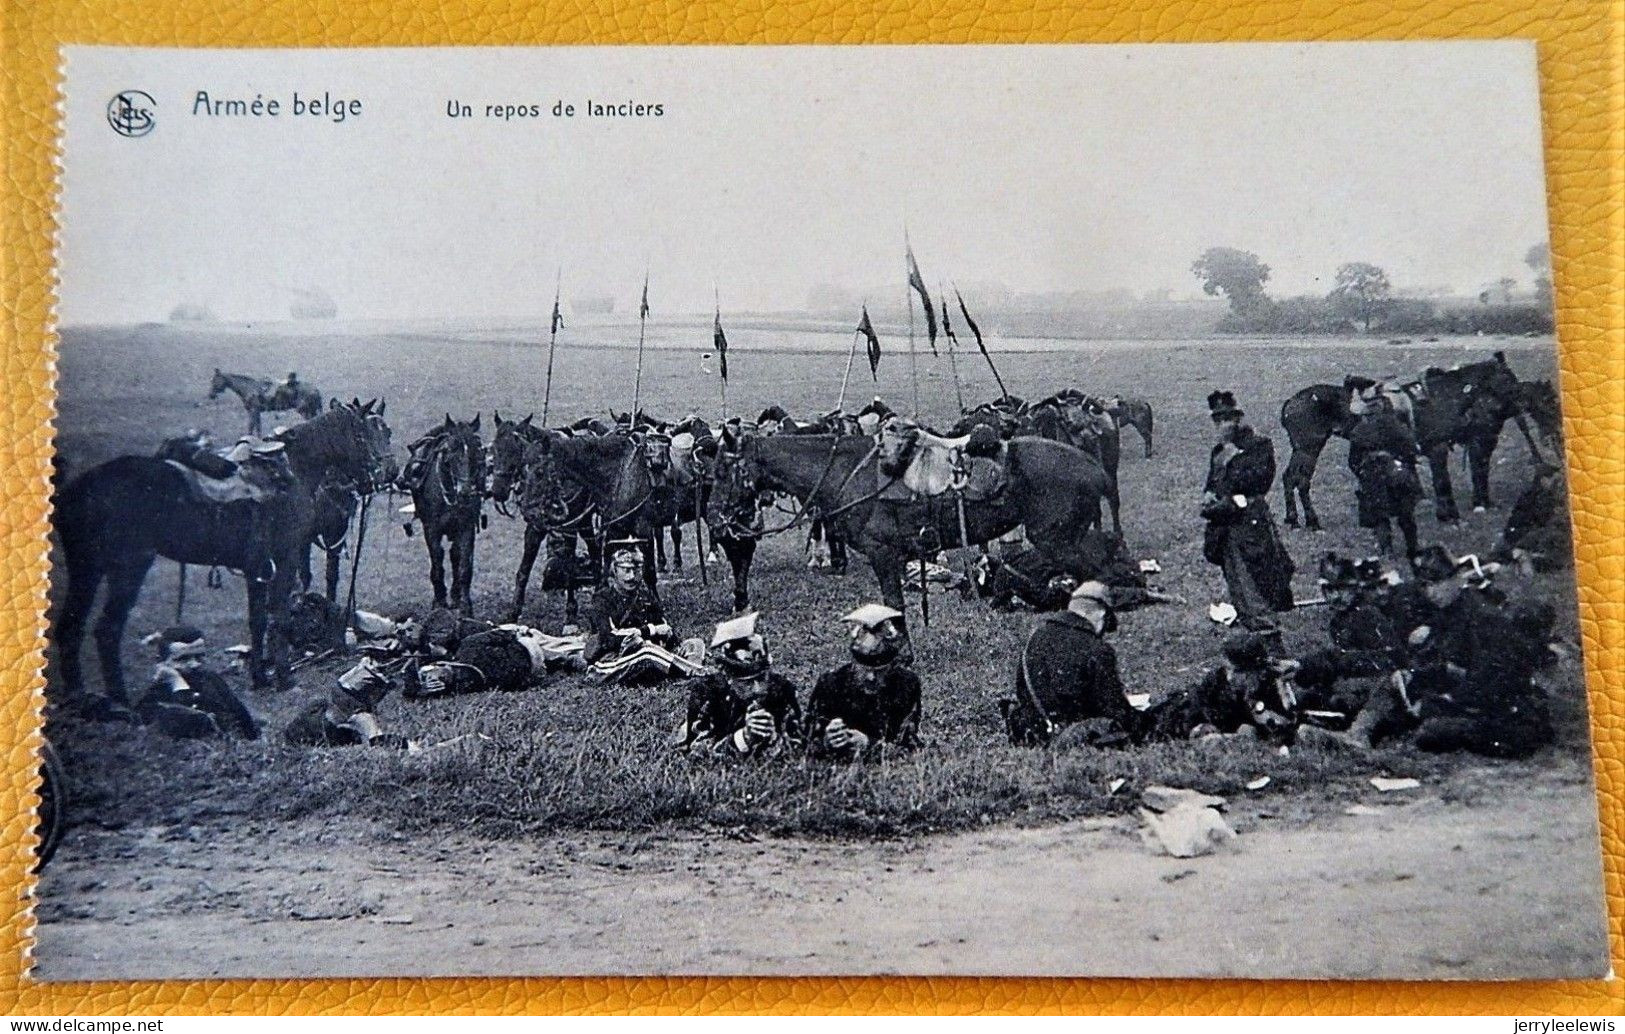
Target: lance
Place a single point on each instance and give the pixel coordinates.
(552, 342)
(637, 381)
(953, 362)
(722, 358)
(980, 344)
(851, 354)
(908, 299)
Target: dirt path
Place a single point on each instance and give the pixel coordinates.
(1502, 887)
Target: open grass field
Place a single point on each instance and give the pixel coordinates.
(572, 758)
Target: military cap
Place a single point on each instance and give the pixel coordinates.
(872, 615)
(735, 629)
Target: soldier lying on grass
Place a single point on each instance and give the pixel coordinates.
(746, 709)
(873, 699)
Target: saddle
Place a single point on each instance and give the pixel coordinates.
(1401, 395)
(254, 470)
(938, 466)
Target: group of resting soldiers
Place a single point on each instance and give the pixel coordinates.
(1442, 658)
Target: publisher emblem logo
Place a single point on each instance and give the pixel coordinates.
(130, 113)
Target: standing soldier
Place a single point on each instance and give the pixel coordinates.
(874, 698)
(1382, 455)
(1241, 537)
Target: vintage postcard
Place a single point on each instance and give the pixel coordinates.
(1022, 510)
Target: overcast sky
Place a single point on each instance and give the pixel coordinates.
(773, 170)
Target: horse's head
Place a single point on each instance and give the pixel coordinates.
(350, 442)
(508, 455)
(461, 461)
(1489, 389)
(735, 495)
(218, 385)
(552, 492)
(897, 441)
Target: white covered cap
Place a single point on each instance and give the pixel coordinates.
(742, 627)
(871, 614)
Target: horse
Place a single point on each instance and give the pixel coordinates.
(561, 530)
(335, 508)
(575, 481)
(260, 396)
(1052, 488)
(1135, 413)
(447, 498)
(1081, 422)
(113, 520)
(1464, 406)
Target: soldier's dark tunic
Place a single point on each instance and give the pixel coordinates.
(198, 704)
(1364, 645)
(1473, 683)
(716, 712)
(883, 704)
(1241, 538)
(1221, 702)
(1382, 456)
(615, 609)
(1067, 674)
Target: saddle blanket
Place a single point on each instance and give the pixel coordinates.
(939, 463)
(220, 491)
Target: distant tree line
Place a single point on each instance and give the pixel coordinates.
(1362, 301)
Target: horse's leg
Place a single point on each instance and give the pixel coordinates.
(1295, 482)
(258, 621)
(83, 581)
(123, 587)
(304, 567)
(462, 567)
(660, 546)
(437, 563)
(521, 578)
(1479, 450)
(677, 545)
(253, 419)
(740, 552)
(277, 592)
(334, 556)
(1407, 527)
(837, 549)
(888, 565)
(1145, 431)
(1444, 497)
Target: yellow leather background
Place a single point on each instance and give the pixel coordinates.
(1583, 100)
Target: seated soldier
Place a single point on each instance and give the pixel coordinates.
(1454, 624)
(186, 699)
(1067, 677)
(345, 718)
(628, 637)
(1246, 692)
(508, 658)
(872, 699)
(1537, 533)
(746, 709)
(1334, 682)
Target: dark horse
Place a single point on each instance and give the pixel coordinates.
(1083, 423)
(116, 518)
(335, 508)
(516, 466)
(1052, 488)
(1464, 406)
(260, 396)
(606, 482)
(1135, 413)
(447, 497)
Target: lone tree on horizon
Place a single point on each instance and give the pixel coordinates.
(1238, 275)
(1362, 291)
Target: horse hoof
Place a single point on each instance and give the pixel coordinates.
(1290, 522)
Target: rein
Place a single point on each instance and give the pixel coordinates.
(807, 510)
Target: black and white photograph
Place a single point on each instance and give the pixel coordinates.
(935, 510)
